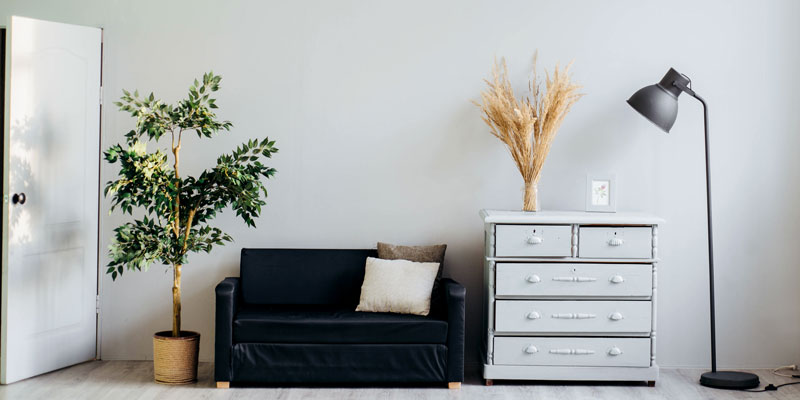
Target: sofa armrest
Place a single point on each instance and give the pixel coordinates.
(227, 293)
(454, 295)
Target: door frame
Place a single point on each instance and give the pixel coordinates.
(6, 128)
(98, 312)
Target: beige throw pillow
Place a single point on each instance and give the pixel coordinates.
(397, 286)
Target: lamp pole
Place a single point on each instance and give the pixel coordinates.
(710, 228)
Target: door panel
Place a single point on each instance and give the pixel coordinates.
(53, 140)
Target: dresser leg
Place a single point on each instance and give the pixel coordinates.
(489, 382)
(223, 385)
(454, 385)
(651, 383)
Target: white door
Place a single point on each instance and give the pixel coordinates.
(52, 146)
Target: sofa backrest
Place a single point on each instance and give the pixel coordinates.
(303, 276)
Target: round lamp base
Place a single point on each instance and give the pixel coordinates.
(729, 380)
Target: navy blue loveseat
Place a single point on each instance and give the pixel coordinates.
(289, 318)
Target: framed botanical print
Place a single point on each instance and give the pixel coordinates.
(601, 193)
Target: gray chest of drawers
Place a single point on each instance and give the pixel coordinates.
(570, 296)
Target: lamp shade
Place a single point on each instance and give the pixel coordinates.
(659, 103)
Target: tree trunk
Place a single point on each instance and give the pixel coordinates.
(176, 301)
(176, 282)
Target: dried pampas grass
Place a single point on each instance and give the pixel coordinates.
(528, 125)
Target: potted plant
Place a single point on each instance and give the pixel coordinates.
(177, 210)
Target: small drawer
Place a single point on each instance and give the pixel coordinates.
(615, 242)
(574, 280)
(533, 316)
(533, 241)
(583, 352)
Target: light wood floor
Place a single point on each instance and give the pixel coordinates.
(122, 380)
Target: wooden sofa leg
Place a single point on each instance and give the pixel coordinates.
(223, 385)
(454, 385)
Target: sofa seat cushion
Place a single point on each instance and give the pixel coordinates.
(338, 363)
(321, 324)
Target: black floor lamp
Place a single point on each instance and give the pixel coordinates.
(659, 104)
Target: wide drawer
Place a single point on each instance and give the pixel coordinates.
(615, 242)
(597, 352)
(574, 280)
(533, 316)
(533, 240)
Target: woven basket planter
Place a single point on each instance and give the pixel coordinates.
(175, 358)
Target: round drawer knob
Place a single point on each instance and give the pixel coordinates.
(617, 279)
(531, 349)
(616, 316)
(535, 240)
(533, 279)
(614, 351)
(534, 315)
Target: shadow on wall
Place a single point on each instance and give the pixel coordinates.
(462, 161)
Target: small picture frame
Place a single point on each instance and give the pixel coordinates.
(601, 193)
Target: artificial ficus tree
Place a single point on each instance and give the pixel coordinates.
(178, 210)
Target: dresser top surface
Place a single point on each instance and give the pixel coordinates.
(568, 217)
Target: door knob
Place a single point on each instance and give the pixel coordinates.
(18, 198)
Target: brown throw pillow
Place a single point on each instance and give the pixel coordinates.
(433, 253)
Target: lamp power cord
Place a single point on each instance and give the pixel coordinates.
(777, 371)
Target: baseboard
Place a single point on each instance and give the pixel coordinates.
(724, 367)
(475, 367)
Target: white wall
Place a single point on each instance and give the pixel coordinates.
(369, 104)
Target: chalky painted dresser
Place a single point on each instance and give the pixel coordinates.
(570, 296)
